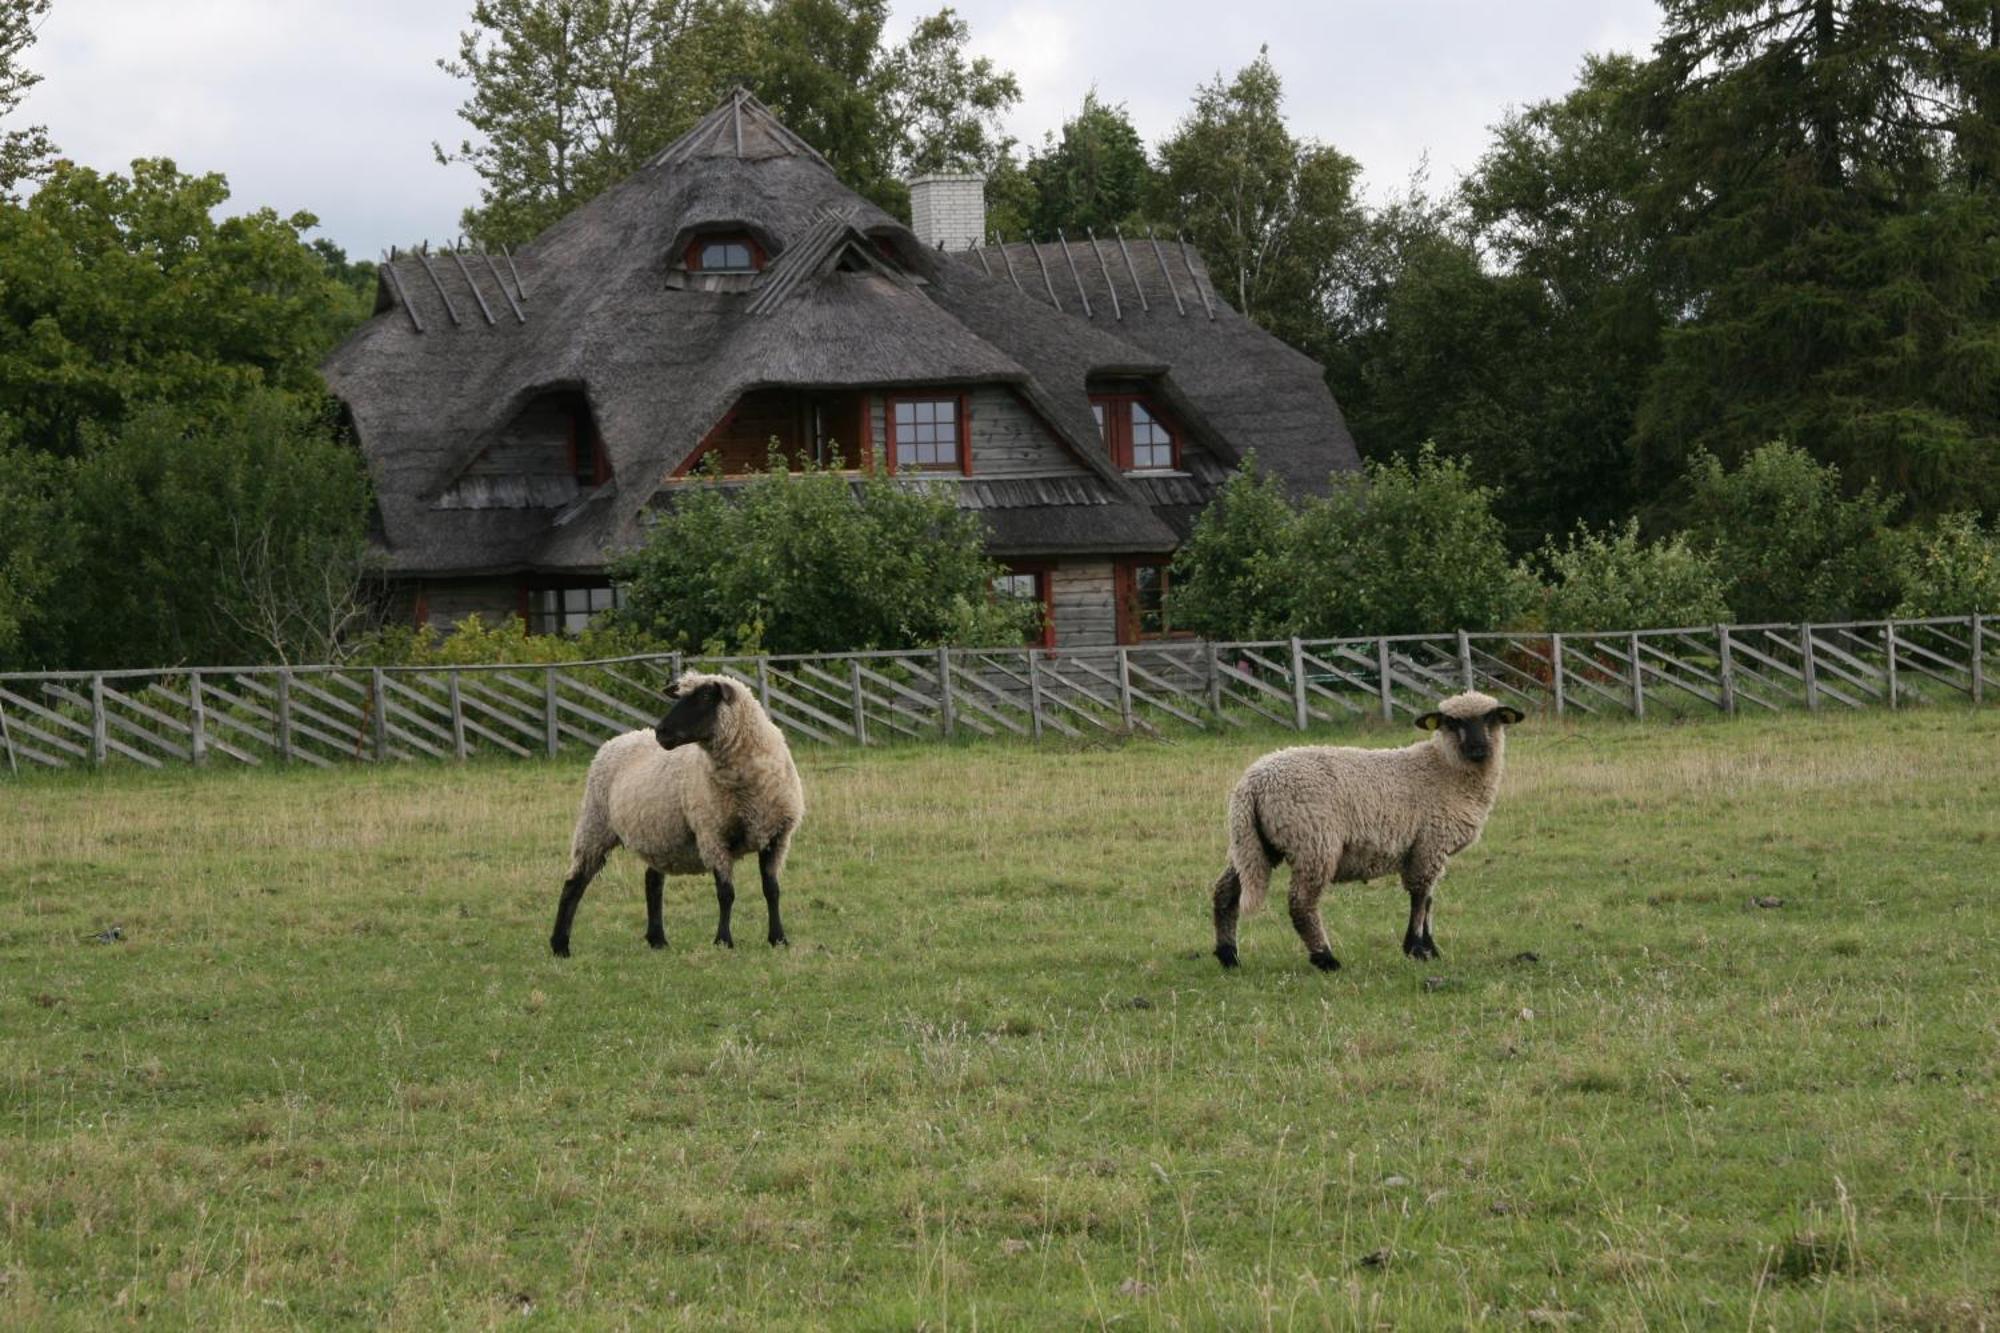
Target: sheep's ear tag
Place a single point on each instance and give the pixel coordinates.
(1430, 721)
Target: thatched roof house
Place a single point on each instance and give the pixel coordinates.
(522, 414)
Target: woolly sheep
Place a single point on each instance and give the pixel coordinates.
(1339, 813)
(714, 781)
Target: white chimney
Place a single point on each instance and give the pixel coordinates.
(948, 211)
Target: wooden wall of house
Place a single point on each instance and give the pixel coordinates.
(1008, 440)
(534, 444)
(1086, 613)
(743, 442)
(448, 601)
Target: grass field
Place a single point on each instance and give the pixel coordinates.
(329, 1071)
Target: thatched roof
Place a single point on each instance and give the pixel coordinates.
(460, 344)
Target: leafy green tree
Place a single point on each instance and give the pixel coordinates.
(1611, 580)
(1948, 567)
(1406, 546)
(1094, 176)
(945, 107)
(118, 290)
(813, 562)
(1233, 578)
(38, 545)
(1270, 213)
(1792, 544)
(22, 151)
(569, 96)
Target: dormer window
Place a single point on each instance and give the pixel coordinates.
(725, 254)
(1136, 432)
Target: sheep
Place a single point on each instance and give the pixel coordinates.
(714, 781)
(1339, 813)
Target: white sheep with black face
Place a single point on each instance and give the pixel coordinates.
(1340, 813)
(714, 781)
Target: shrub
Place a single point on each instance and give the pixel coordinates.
(1233, 577)
(1611, 580)
(1949, 567)
(816, 561)
(1791, 544)
(474, 642)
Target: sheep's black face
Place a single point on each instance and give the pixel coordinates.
(1473, 736)
(694, 717)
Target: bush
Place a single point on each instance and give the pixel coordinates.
(1405, 547)
(474, 642)
(1233, 577)
(1949, 567)
(812, 562)
(1791, 544)
(38, 546)
(1611, 580)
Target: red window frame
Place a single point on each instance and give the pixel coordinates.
(1045, 592)
(1116, 427)
(1125, 584)
(963, 404)
(693, 255)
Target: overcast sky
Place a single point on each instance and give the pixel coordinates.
(332, 105)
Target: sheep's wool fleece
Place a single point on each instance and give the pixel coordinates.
(1355, 814)
(697, 807)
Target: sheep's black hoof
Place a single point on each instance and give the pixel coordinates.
(657, 941)
(777, 940)
(1325, 962)
(559, 946)
(1420, 948)
(725, 941)
(1226, 955)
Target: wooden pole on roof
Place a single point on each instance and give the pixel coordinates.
(1047, 281)
(1188, 259)
(501, 283)
(477, 295)
(389, 271)
(443, 296)
(1074, 276)
(1131, 269)
(508, 255)
(1117, 312)
(1160, 257)
(980, 250)
(1008, 260)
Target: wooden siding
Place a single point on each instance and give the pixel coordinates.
(1008, 440)
(1085, 611)
(530, 464)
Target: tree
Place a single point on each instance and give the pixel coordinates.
(38, 545)
(1948, 567)
(570, 96)
(815, 562)
(1612, 580)
(1094, 177)
(946, 109)
(116, 291)
(1233, 577)
(821, 69)
(22, 151)
(1269, 213)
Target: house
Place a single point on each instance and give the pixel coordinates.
(524, 414)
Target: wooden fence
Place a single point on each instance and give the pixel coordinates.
(326, 715)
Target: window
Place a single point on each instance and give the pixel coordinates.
(929, 434)
(1030, 584)
(566, 610)
(725, 254)
(1143, 611)
(587, 461)
(1139, 438)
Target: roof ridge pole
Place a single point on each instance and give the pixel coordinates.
(736, 114)
(1165, 272)
(518, 288)
(1047, 281)
(1199, 290)
(980, 250)
(1117, 311)
(1131, 270)
(403, 296)
(466, 273)
(501, 283)
(1074, 276)
(1008, 260)
(449, 308)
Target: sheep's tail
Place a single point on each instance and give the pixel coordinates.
(1250, 848)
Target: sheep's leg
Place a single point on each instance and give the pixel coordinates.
(1308, 881)
(768, 862)
(582, 870)
(1228, 896)
(656, 931)
(725, 899)
(1420, 879)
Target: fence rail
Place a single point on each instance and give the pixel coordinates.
(324, 715)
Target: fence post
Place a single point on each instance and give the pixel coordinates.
(1299, 718)
(1889, 634)
(1465, 658)
(1214, 681)
(1978, 660)
(285, 715)
(945, 709)
(1638, 680)
(6, 735)
(1556, 669)
(764, 683)
(457, 716)
(378, 697)
(550, 737)
(1384, 682)
(197, 720)
(1726, 670)
(674, 665)
(1035, 689)
(860, 700)
(1125, 686)
(99, 746)
(1807, 667)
